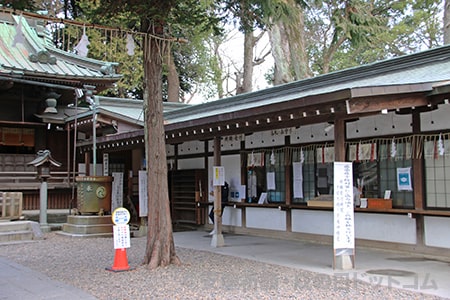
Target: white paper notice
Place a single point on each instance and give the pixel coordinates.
(344, 231)
(298, 179)
(121, 236)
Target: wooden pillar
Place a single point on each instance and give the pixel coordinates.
(217, 238)
(418, 181)
(417, 165)
(87, 161)
(339, 140)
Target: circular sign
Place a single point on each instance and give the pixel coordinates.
(101, 192)
(120, 216)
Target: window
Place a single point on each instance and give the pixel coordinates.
(275, 169)
(437, 174)
(266, 174)
(388, 174)
(303, 184)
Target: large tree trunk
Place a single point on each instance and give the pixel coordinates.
(288, 49)
(447, 22)
(247, 84)
(160, 249)
(173, 80)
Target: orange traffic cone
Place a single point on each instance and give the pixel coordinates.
(120, 261)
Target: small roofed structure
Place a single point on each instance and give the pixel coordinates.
(43, 162)
(44, 156)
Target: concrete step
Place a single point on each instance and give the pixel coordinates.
(19, 231)
(14, 226)
(87, 229)
(87, 226)
(19, 235)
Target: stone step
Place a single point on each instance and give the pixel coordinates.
(19, 231)
(19, 235)
(14, 226)
(87, 229)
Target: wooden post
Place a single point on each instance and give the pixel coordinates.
(217, 238)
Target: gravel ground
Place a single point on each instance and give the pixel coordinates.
(202, 275)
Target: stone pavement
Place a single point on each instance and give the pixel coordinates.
(387, 268)
(394, 269)
(19, 282)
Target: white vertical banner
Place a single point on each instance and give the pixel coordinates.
(344, 229)
(143, 196)
(297, 168)
(117, 191)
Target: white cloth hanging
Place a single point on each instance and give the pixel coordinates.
(19, 37)
(130, 45)
(82, 47)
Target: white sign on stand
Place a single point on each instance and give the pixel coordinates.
(121, 229)
(121, 236)
(344, 231)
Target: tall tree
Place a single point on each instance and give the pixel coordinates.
(447, 22)
(155, 19)
(287, 38)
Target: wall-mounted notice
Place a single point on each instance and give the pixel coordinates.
(219, 176)
(344, 231)
(143, 196)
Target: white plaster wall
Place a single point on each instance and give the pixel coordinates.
(312, 134)
(232, 142)
(232, 166)
(379, 227)
(231, 216)
(191, 163)
(385, 227)
(312, 221)
(437, 231)
(170, 150)
(264, 139)
(191, 147)
(436, 119)
(379, 125)
(265, 218)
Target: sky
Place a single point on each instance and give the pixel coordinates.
(232, 52)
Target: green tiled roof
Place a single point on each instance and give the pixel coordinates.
(35, 57)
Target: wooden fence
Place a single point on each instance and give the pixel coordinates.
(11, 205)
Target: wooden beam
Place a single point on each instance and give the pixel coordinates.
(389, 102)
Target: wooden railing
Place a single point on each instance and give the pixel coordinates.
(30, 181)
(60, 194)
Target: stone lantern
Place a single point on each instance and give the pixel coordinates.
(42, 163)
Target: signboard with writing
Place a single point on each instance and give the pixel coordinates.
(121, 236)
(105, 164)
(344, 231)
(120, 216)
(117, 190)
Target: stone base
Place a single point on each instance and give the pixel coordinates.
(88, 226)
